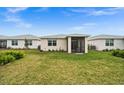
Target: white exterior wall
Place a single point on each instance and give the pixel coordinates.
(100, 44)
(86, 45)
(35, 44)
(61, 45)
(21, 43)
(69, 44)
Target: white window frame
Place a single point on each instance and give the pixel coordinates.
(29, 42)
(14, 42)
(52, 42)
(109, 42)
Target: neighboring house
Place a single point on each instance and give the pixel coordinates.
(76, 43)
(19, 41)
(102, 42)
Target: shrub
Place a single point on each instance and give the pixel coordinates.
(9, 48)
(62, 50)
(52, 50)
(39, 47)
(16, 54)
(4, 59)
(121, 54)
(9, 56)
(41, 50)
(115, 52)
(105, 50)
(91, 47)
(118, 53)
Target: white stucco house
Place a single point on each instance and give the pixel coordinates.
(72, 43)
(102, 42)
(19, 41)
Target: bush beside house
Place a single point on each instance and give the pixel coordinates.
(91, 47)
(10, 56)
(118, 53)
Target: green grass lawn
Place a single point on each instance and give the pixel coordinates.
(63, 68)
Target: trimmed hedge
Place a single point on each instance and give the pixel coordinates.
(118, 53)
(10, 56)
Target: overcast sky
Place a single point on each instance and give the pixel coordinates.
(45, 21)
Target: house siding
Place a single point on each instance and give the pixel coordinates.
(61, 45)
(100, 44)
(63, 42)
(21, 44)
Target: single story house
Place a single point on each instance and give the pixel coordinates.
(19, 41)
(102, 42)
(72, 43)
(76, 43)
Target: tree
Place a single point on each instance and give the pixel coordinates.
(26, 43)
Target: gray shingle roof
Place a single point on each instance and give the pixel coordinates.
(65, 35)
(106, 37)
(20, 37)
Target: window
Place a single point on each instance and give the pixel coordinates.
(14, 42)
(109, 42)
(54, 42)
(29, 42)
(51, 42)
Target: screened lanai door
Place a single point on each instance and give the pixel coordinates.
(77, 45)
